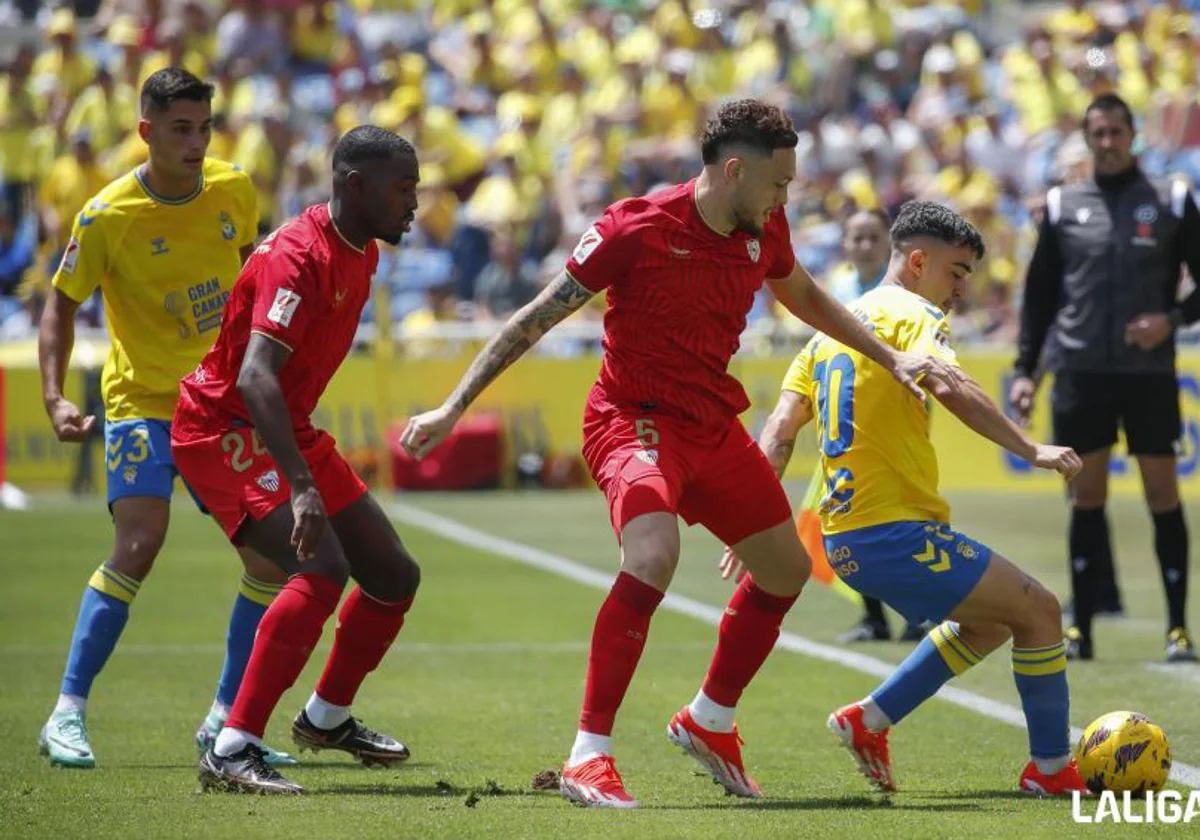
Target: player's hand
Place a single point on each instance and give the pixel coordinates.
(910, 368)
(308, 510)
(731, 566)
(1148, 331)
(1020, 398)
(69, 422)
(1061, 459)
(425, 431)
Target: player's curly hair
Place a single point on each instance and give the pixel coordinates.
(368, 142)
(747, 122)
(170, 84)
(936, 221)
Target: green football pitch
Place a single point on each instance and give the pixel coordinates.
(485, 681)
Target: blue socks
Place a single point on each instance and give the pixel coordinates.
(102, 616)
(249, 607)
(941, 655)
(1041, 677)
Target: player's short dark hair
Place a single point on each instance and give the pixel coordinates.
(170, 84)
(365, 143)
(747, 122)
(1108, 102)
(936, 221)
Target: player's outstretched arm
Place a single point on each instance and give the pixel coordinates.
(805, 299)
(971, 404)
(558, 300)
(778, 439)
(56, 339)
(258, 384)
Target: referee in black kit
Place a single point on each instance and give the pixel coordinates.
(1101, 297)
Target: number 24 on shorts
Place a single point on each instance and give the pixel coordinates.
(234, 445)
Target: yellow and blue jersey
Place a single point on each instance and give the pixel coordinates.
(877, 461)
(165, 268)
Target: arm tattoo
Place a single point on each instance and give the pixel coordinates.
(779, 453)
(558, 300)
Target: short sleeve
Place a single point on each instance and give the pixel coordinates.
(798, 378)
(779, 245)
(606, 251)
(286, 297)
(85, 261)
(930, 334)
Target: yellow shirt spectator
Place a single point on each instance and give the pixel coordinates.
(314, 31)
(72, 180)
(106, 111)
(20, 112)
(1074, 22)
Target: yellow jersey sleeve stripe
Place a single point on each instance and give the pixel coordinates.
(278, 341)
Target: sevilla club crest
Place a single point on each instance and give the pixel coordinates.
(753, 249)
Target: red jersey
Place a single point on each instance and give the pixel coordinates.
(305, 287)
(678, 296)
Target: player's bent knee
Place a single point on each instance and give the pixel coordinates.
(400, 583)
(136, 550)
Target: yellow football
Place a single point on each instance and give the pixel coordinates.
(1124, 751)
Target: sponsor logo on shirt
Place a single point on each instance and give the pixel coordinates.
(588, 243)
(159, 245)
(753, 249)
(70, 257)
(284, 307)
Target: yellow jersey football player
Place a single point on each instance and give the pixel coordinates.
(164, 244)
(887, 530)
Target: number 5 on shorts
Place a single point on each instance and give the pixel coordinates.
(647, 432)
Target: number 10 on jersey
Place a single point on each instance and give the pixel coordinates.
(835, 403)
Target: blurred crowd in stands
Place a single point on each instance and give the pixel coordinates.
(530, 117)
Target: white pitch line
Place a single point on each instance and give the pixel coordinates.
(402, 647)
(1183, 774)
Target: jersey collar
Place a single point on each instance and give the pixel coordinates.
(162, 199)
(341, 236)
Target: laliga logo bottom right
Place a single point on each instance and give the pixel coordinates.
(1126, 758)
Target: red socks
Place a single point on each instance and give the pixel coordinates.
(289, 631)
(366, 629)
(617, 643)
(749, 629)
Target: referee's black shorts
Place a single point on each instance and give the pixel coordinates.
(1089, 406)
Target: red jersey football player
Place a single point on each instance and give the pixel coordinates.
(243, 440)
(661, 433)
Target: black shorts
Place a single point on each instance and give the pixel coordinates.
(1088, 407)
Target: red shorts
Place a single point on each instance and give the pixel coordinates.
(650, 463)
(236, 479)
